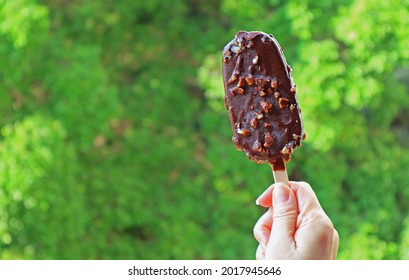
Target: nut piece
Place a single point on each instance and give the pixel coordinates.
(277, 94)
(250, 80)
(267, 125)
(293, 89)
(292, 107)
(274, 84)
(286, 158)
(261, 83)
(242, 82)
(227, 56)
(268, 140)
(267, 106)
(286, 150)
(236, 47)
(232, 78)
(238, 90)
(253, 123)
(283, 102)
(245, 132)
(259, 116)
(263, 93)
(255, 60)
(257, 146)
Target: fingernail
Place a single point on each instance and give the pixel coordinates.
(281, 194)
(258, 201)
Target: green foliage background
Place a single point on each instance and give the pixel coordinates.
(115, 143)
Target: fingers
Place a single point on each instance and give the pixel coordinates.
(335, 244)
(261, 232)
(262, 228)
(260, 253)
(281, 243)
(306, 196)
(314, 228)
(295, 226)
(264, 199)
(310, 210)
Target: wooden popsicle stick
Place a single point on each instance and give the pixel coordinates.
(279, 171)
(281, 176)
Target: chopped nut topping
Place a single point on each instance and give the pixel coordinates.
(261, 83)
(267, 125)
(283, 102)
(270, 91)
(255, 60)
(232, 78)
(245, 132)
(257, 146)
(236, 47)
(277, 94)
(242, 82)
(253, 123)
(274, 84)
(268, 140)
(262, 93)
(304, 136)
(251, 107)
(238, 90)
(259, 116)
(286, 150)
(296, 137)
(293, 89)
(227, 56)
(250, 80)
(292, 107)
(267, 106)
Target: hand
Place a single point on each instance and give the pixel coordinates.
(295, 226)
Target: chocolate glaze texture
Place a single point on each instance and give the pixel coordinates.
(260, 96)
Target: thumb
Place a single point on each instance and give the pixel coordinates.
(285, 212)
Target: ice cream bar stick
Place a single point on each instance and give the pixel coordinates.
(279, 171)
(281, 176)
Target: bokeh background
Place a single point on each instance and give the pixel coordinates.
(115, 144)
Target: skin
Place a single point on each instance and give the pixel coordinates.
(295, 227)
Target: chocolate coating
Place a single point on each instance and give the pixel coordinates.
(260, 96)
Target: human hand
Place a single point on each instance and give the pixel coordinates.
(295, 226)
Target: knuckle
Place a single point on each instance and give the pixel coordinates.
(324, 230)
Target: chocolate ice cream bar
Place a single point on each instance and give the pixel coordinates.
(261, 99)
